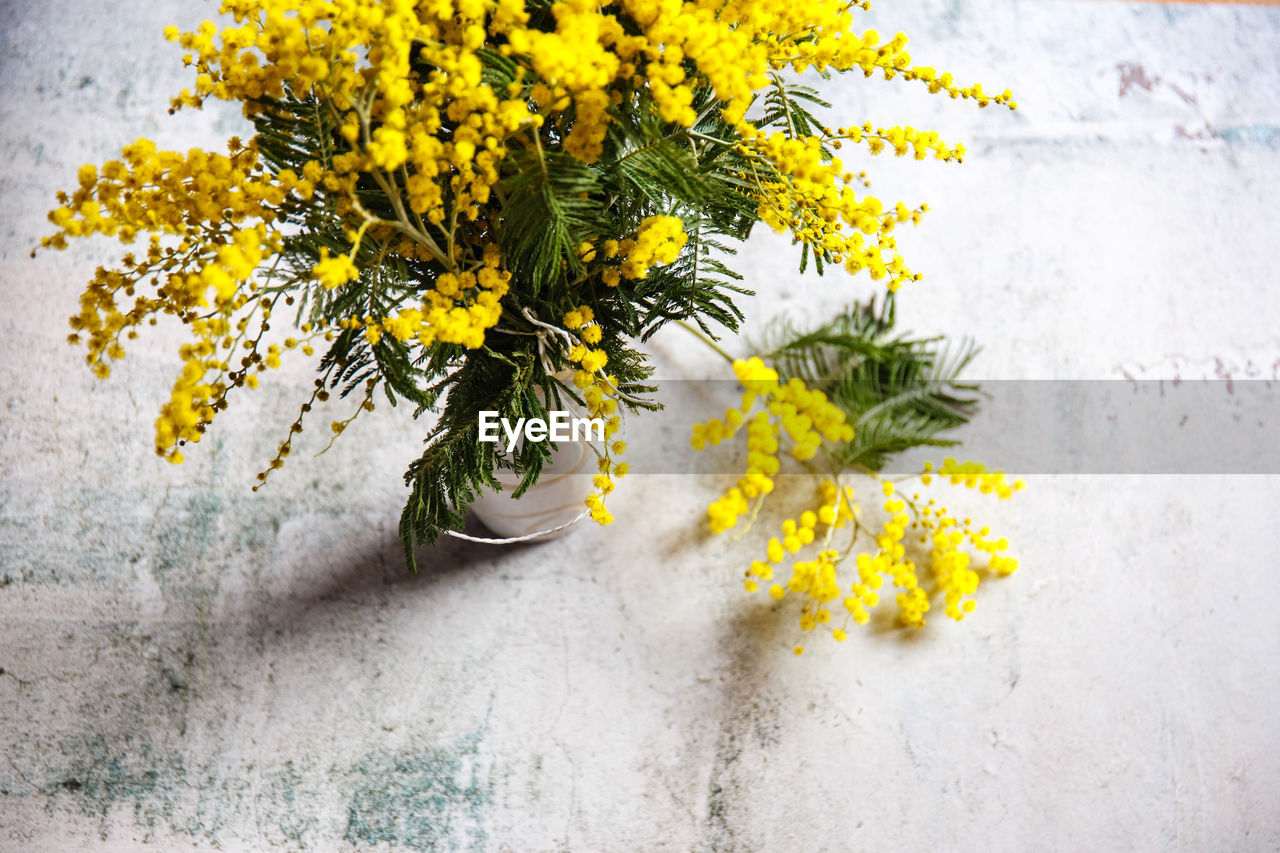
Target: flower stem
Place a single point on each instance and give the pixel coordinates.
(696, 332)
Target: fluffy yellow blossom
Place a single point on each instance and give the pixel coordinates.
(334, 272)
(600, 393)
(804, 417)
(819, 580)
(809, 197)
(658, 241)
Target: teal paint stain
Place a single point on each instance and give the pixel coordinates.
(429, 800)
(295, 806)
(182, 541)
(434, 799)
(99, 776)
(258, 534)
(169, 796)
(1263, 134)
(101, 539)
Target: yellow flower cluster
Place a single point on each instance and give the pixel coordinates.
(599, 392)
(818, 580)
(814, 578)
(903, 140)
(843, 52)
(579, 60)
(357, 56)
(951, 565)
(974, 475)
(195, 397)
(189, 407)
(658, 241)
(167, 192)
(810, 198)
(219, 212)
(209, 201)
(806, 417)
(334, 272)
(458, 310)
(802, 191)
(591, 59)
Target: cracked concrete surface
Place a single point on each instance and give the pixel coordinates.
(191, 665)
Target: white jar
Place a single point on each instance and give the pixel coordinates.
(554, 501)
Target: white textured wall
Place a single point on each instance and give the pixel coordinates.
(193, 665)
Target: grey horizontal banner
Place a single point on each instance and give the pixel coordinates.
(1021, 427)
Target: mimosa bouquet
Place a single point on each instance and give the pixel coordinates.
(460, 203)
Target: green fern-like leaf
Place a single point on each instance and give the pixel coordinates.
(552, 204)
(898, 392)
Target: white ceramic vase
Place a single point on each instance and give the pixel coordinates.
(555, 500)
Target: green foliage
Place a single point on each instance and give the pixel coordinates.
(784, 106)
(553, 203)
(898, 392)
